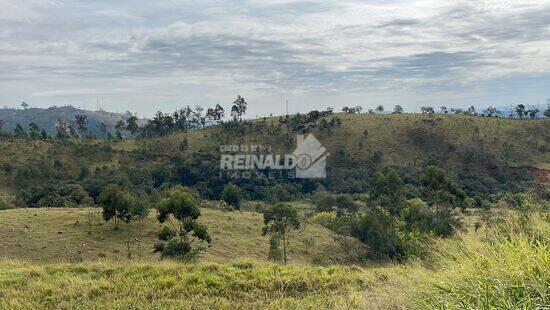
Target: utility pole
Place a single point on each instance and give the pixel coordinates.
(287, 107)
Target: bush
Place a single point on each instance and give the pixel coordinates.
(326, 219)
(166, 233)
(232, 195)
(176, 248)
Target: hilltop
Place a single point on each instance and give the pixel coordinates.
(47, 118)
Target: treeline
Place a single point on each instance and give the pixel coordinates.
(520, 110)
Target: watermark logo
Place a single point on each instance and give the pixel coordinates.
(308, 161)
(311, 158)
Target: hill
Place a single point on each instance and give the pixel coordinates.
(61, 235)
(47, 118)
(484, 155)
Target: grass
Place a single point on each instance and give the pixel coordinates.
(54, 235)
(510, 270)
(169, 285)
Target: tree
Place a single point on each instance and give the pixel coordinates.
(239, 108)
(380, 109)
(280, 220)
(324, 201)
(397, 109)
(376, 228)
(34, 131)
(386, 190)
(439, 192)
(532, 112)
(120, 125)
(231, 194)
(72, 131)
(19, 132)
(491, 111)
(81, 122)
(103, 128)
(24, 105)
(345, 205)
(181, 209)
(43, 134)
(427, 110)
(546, 113)
(520, 110)
(132, 125)
(117, 204)
(444, 109)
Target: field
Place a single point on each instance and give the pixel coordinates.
(61, 235)
(511, 272)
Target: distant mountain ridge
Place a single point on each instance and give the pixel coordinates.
(47, 118)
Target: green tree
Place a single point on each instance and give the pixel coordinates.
(239, 108)
(81, 122)
(397, 109)
(117, 204)
(386, 190)
(345, 205)
(232, 195)
(19, 132)
(521, 110)
(34, 131)
(44, 134)
(280, 220)
(443, 195)
(376, 228)
(181, 209)
(132, 125)
(324, 201)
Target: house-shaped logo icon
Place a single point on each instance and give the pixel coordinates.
(311, 158)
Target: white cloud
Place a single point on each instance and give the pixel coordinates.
(180, 52)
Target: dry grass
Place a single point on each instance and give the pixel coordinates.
(54, 235)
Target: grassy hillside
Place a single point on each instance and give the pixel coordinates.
(406, 139)
(53, 235)
(510, 271)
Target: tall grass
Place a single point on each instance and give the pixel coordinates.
(510, 269)
(243, 285)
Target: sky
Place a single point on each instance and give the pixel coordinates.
(144, 56)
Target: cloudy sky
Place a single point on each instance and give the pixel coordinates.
(145, 56)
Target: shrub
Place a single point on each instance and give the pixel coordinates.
(166, 233)
(232, 195)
